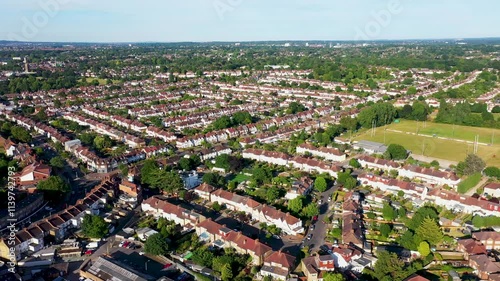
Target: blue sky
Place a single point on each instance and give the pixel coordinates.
(245, 20)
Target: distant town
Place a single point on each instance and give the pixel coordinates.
(297, 161)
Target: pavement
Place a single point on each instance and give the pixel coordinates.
(320, 227)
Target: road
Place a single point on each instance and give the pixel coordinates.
(320, 227)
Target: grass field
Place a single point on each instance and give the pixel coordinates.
(101, 81)
(439, 148)
(469, 183)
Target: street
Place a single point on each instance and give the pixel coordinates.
(320, 227)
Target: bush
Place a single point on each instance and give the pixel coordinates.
(493, 172)
(469, 183)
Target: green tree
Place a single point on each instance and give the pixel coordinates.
(272, 194)
(295, 107)
(330, 276)
(214, 179)
(310, 210)
(424, 249)
(473, 164)
(354, 163)
(262, 175)
(295, 205)
(57, 162)
(388, 212)
(94, 226)
(20, 134)
(430, 231)
(396, 152)
(385, 229)
(53, 183)
(148, 171)
(379, 114)
(185, 164)
(492, 171)
(389, 267)
(222, 122)
(156, 244)
(102, 142)
(320, 184)
(168, 181)
(350, 183)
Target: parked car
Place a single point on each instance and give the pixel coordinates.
(309, 236)
(121, 244)
(315, 218)
(125, 245)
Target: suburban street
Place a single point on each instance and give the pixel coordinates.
(320, 227)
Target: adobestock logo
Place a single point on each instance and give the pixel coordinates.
(30, 27)
(223, 6)
(379, 20)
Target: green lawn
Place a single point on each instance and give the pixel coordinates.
(101, 81)
(469, 183)
(239, 178)
(448, 131)
(435, 147)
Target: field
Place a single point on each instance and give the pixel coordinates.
(469, 183)
(438, 140)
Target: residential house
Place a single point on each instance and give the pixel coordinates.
(490, 239)
(492, 189)
(314, 267)
(484, 265)
(277, 265)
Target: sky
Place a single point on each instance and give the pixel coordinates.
(245, 20)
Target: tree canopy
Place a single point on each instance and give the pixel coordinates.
(156, 244)
(94, 226)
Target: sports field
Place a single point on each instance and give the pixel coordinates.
(430, 142)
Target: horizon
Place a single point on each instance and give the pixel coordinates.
(90, 21)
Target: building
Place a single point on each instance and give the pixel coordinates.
(33, 174)
(106, 269)
(314, 267)
(492, 189)
(490, 239)
(277, 265)
(332, 154)
(370, 146)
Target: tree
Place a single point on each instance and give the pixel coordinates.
(156, 244)
(203, 256)
(310, 210)
(53, 183)
(390, 267)
(420, 111)
(295, 107)
(396, 152)
(262, 175)
(388, 212)
(405, 112)
(411, 91)
(420, 215)
(102, 142)
(385, 229)
(330, 276)
(430, 231)
(272, 194)
(214, 179)
(295, 205)
(168, 181)
(350, 183)
(473, 164)
(379, 114)
(349, 123)
(216, 206)
(408, 240)
(222, 122)
(185, 164)
(424, 249)
(20, 134)
(320, 184)
(94, 226)
(492, 171)
(148, 171)
(354, 163)
(57, 162)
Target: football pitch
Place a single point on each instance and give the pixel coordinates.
(443, 141)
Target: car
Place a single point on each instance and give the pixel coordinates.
(329, 199)
(167, 265)
(309, 236)
(131, 245)
(121, 244)
(125, 245)
(312, 226)
(89, 252)
(141, 253)
(48, 208)
(315, 218)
